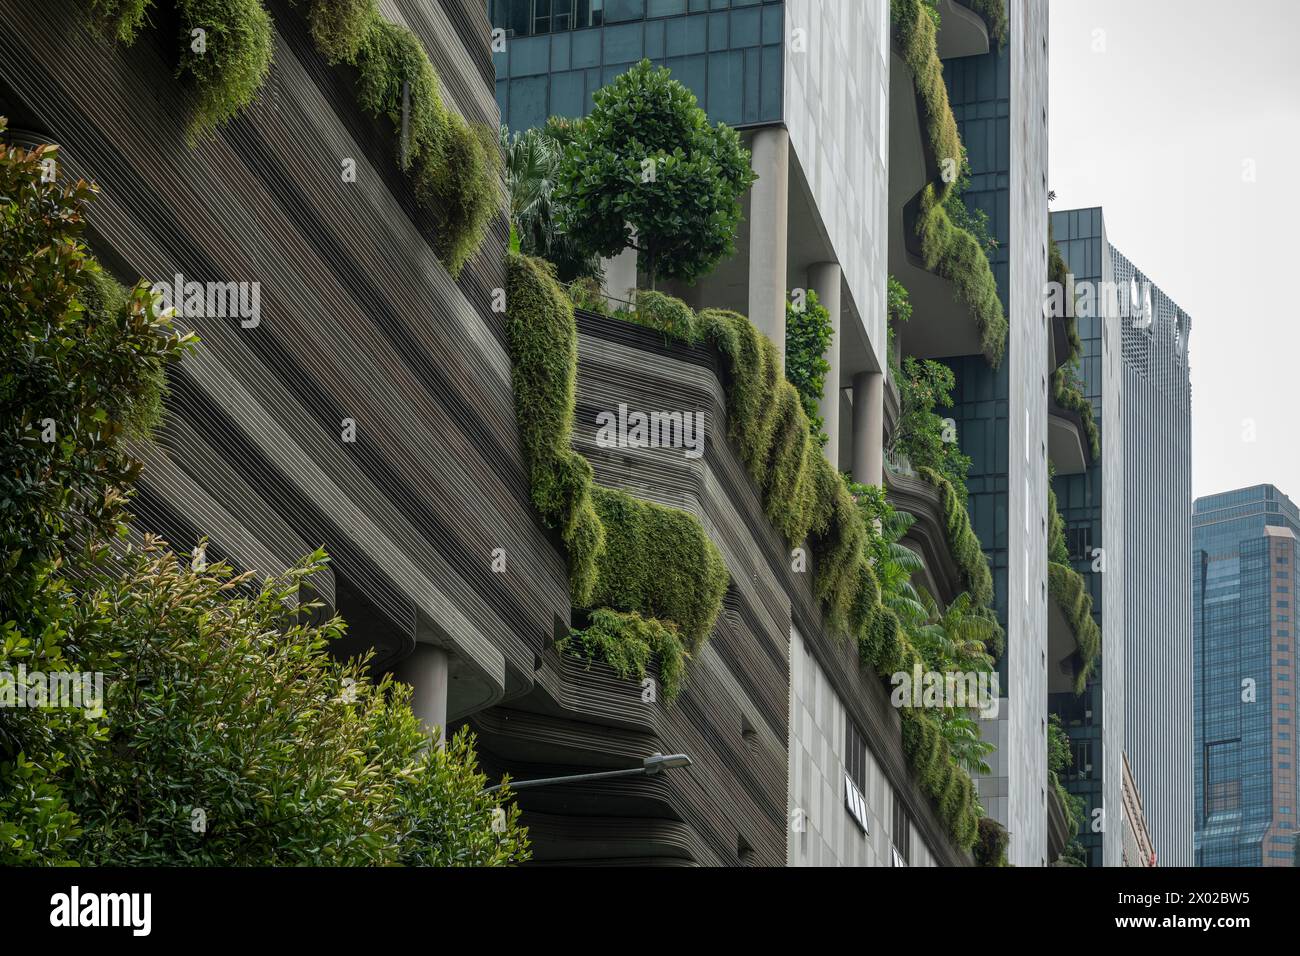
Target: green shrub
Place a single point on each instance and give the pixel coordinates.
(626, 641)
(673, 317)
(991, 844)
(339, 27)
(233, 707)
(120, 19)
(660, 563)
(808, 334)
(462, 190)
(234, 59)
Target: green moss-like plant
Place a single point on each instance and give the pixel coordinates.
(962, 541)
(626, 641)
(120, 19)
(666, 314)
(948, 251)
(228, 61)
(625, 555)
(455, 166)
(1070, 591)
(991, 844)
(543, 344)
(659, 562)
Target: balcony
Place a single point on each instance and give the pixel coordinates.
(954, 295)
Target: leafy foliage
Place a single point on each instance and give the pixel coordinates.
(644, 169)
(232, 63)
(532, 162)
(1070, 592)
(626, 641)
(82, 365)
(991, 848)
(220, 697)
(927, 440)
(808, 334)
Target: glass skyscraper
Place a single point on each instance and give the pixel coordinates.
(1243, 585)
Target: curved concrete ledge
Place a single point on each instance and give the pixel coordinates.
(929, 535)
(1067, 440)
(962, 31)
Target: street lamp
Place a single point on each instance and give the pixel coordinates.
(651, 766)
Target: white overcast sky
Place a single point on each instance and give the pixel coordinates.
(1156, 129)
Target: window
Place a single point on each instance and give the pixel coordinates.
(855, 773)
(901, 833)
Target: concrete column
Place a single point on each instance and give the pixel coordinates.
(426, 671)
(769, 211)
(620, 276)
(824, 279)
(869, 428)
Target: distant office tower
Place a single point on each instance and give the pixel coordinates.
(1243, 586)
(1090, 494)
(1157, 532)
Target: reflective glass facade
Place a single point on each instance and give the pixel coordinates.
(1080, 236)
(1243, 592)
(559, 52)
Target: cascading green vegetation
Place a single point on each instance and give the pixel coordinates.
(225, 50)
(653, 568)
(808, 334)
(454, 166)
(991, 848)
(948, 251)
(962, 541)
(1066, 389)
(802, 494)
(226, 47)
(1070, 592)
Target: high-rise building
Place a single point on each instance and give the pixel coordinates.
(1157, 530)
(1128, 516)
(1244, 586)
(1089, 494)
